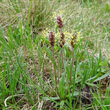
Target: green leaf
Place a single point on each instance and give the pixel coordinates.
(107, 8)
(102, 77)
(49, 98)
(74, 94)
(91, 84)
(62, 104)
(62, 86)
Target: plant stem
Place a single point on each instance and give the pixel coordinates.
(54, 71)
(72, 67)
(61, 54)
(62, 58)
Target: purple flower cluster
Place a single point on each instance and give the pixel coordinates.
(62, 40)
(59, 21)
(73, 39)
(51, 38)
(60, 25)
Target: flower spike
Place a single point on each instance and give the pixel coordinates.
(73, 39)
(62, 40)
(59, 21)
(52, 38)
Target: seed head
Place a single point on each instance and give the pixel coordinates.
(51, 38)
(59, 21)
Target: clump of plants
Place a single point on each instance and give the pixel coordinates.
(61, 44)
(63, 77)
(70, 76)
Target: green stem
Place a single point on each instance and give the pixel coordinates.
(59, 74)
(72, 67)
(62, 58)
(54, 71)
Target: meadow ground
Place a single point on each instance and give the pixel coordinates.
(54, 55)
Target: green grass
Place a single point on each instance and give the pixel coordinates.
(26, 61)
